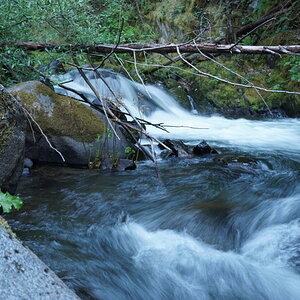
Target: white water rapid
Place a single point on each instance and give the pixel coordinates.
(155, 104)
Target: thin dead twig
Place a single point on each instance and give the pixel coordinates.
(240, 76)
(212, 76)
(232, 83)
(42, 132)
(116, 45)
(115, 119)
(97, 95)
(100, 107)
(254, 29)
(28, 114)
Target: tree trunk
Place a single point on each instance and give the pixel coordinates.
(161, 48)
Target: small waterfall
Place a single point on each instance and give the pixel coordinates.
(155, 104)
(140, 99)
(192, 104)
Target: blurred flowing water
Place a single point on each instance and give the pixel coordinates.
(203, 230)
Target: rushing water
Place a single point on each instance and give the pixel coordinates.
(203, 230)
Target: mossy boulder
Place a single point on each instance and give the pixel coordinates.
(78, 131)
(12, 141)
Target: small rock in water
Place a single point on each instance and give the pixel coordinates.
(243, 162)
(109, 164)
(203, 148)
(123, 217)
(179, 149)
(28, 163)
(26, 171)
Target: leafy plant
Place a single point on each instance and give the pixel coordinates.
(8, 202)
(127, 150)
(293, 65)
(101, 139)
(108, 133)
(61, 21)
(130, 152)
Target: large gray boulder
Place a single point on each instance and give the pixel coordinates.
(23, 276)
(78, 131)
(12, 141)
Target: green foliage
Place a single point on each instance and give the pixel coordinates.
(293, 64)
(262, 6)
(130, 153)
(80, 21)
(8, 202)
(98, 148)
(128, 150)
(61, 21)
(108, 133)
(49, 20)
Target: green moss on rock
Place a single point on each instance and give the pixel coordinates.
(177, 90)
(59, 115)
(4, 224)
(7, 120)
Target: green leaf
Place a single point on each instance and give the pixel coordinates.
(108, 132)
(295, 69)
(8, 202)
(127, 150)
(277, 86)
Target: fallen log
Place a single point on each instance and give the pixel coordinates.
(160, 48)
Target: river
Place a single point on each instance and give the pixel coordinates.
(202, 230)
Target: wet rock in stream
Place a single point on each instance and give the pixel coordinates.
(203, 148)
(111, 165)
(181, 150)
(178, 149)
(79, 132)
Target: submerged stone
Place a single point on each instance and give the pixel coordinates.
(239, 161)
(181, 150)
(117, 165)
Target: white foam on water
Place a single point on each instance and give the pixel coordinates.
(276, 245)
(155, 104)
(198, 271)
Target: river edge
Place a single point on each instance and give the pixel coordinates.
(24, 276)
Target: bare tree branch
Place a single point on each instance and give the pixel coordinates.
(116, 45)
(42, 132)
(251, 31)
(240, 76)
(201, 73)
